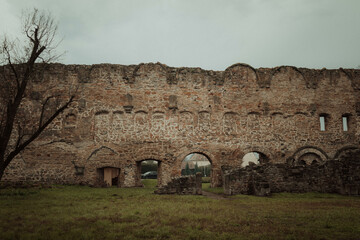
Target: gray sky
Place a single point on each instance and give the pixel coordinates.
(211, 34)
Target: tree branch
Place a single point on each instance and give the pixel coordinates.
(19, 60)
(37, 132)
(20, 136)
(43, 110)
(8, 59)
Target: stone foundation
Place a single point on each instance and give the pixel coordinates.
(335, 176)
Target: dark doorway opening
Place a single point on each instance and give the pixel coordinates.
(148, 173)
(109, 175)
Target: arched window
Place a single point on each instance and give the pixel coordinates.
(196, 162)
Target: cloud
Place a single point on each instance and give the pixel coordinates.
(211, 34)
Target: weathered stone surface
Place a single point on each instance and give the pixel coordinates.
(334, 176)
(190, 185)
(123, 115)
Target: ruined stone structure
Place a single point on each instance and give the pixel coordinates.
(340, 175)
(183, 185)
(123, 115)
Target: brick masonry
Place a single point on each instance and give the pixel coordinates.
(184, 185)
(334, 176)
(123, 115)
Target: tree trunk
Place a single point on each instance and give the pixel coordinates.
(3, 165)
(2, 170)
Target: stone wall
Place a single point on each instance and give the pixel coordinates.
(123, 115)
(334, 176)
(190, 185)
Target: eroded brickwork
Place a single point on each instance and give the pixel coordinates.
(184, 185)
(123, 115)
(341, 175)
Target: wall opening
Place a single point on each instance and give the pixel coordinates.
(345, 123)
(148, 172)
(254, 157)
(323, 118)
(109, 176)
(197, 162)
(322, 123)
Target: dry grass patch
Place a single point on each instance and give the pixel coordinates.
(74, 212)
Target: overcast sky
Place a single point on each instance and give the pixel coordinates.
(211, 34)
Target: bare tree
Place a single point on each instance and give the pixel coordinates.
(19, 61)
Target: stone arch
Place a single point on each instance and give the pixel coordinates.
(146, 69)
(189, 151)
(244, 65)
(296, 80)
(142, 152)
(278, 69)
(307, 152)
(101, 150)
(104, 166)
(345, 149)
(148, 156)
(262, 157)
(216, 174)
(236, 76)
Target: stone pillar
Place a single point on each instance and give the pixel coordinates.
(130, 175)
(216, 178)
(226, 184)
(164, 175)
(198, 183)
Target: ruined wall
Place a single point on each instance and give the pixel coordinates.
(184, 185)
(334, 176)
(126, 114)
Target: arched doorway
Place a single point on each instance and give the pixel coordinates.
(254, 157)
(197, 162)
(148, 171)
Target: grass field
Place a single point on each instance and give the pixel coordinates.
(75, 212)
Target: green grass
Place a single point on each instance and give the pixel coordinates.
(206, 179)
(74, 212)
(218, 190)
